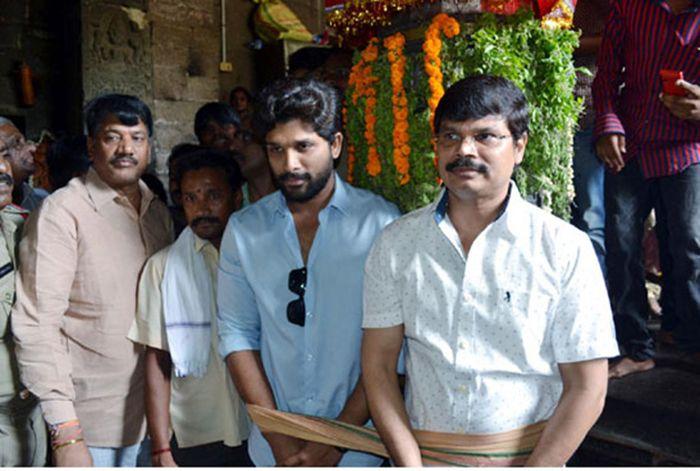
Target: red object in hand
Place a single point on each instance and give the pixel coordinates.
(668, 81)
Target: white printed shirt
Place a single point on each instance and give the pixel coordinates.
(486, 330)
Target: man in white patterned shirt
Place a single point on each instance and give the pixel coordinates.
(502, 305)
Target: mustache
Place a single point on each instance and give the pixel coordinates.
(468, 163)
(205, 219)
(289, 175)
(123, 157)
(7, 179)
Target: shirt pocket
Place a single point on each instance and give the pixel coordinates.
(527, 315)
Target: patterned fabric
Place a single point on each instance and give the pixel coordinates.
(644, 37)
(511, 448)
(485, 332)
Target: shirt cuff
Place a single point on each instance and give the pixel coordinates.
(56, 412)
(236, 343)
(608, 123)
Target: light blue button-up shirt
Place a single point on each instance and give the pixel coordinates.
(311, 369)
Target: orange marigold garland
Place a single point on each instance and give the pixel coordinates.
(369, 55)
(394, 45)
(351, 148)
(441, 24)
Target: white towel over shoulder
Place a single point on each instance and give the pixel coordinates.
(188, 303)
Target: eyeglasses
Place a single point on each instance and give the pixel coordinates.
(449, 140)
(296, 310)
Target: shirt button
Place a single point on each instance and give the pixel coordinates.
(309, 357)
(309, 315)
(462, 345)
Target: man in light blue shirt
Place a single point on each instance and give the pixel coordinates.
(291, 276)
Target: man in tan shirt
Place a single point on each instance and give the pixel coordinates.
(76, 292)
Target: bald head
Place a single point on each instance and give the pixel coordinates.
(16, 150)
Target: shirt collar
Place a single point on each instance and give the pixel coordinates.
(340, 200)
(201, 244)
(101, 193)
(510, 216)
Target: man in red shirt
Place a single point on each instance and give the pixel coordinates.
(650, 143)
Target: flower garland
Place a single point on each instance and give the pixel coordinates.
(351, 149)
(441, 24)
(394, 45)
(363, 81)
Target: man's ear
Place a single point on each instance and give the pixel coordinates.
(520, 146)
(91, 148)
(337, 145)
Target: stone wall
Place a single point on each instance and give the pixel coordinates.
(44, 34)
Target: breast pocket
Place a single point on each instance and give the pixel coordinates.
(527, 314)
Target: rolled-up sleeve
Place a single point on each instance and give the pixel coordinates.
(47, 266)
(606, 85)
(238, 315)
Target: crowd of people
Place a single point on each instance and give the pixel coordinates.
(136, 327)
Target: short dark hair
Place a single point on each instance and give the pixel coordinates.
(66, 158)
(220, 113)
(210, 158)
(478, 96)
(309, 100)
(128, 109)
(181, 150)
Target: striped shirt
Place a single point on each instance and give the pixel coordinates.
(641, 38)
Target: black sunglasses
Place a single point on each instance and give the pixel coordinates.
(296, 310)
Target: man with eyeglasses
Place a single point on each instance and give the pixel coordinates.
(20, 155)
(290, 278)
(503, 306)
(217, 125)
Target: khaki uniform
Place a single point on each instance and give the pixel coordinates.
(23, 439)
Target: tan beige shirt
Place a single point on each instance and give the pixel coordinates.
(76, 299)
(202, 410)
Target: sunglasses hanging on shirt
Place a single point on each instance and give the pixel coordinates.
(296, 310)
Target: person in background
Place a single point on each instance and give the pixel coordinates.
(218, 126)
(80, 260)
(67, 158)
(289, 326)
(23, 435)
(19, 153)
(242, 101)
(649, 141)
(188, 389)
(588, 212)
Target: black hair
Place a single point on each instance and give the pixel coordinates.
(66, 158)
(220, 113)
(478, 96)
(128, 109)
(210, 158)
(179, 151)
(309, 100)
(308, 58)
(232, 95)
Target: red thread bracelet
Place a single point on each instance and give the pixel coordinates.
(158, 452)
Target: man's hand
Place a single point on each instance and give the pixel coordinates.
(163, 460)
(75, 455)
(684, 107)
(611, 148)
(314, 454)
(283, 446)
